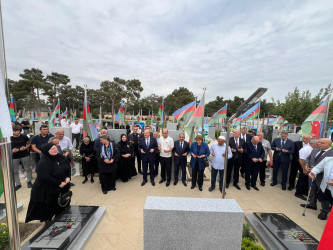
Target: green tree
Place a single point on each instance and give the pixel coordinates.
(212, 107)
(132, 92)
(177, 99)
(55, 80)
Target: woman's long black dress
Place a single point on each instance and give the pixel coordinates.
(88, 167)
(51, 171)
(124, 169)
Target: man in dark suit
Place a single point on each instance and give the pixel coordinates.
(237, 145)
(181, 149)
(295, 166)
(283, 149)
(316, 156)
(246, 137)
(134, 140)
(148, 147)
(255, 154)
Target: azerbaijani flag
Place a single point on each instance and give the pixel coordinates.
(89, 128)
(161, 111)
(251, 113)
(11, 109)
(53, 116)
(64, 114)
(185, 111)
(222, 113)
(315, 121)
(137, 118)
(195, 121)
(120, 115)
(206, 121)
(152, 117)
(100, 115)
(277, 120)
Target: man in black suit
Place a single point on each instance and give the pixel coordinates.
(181, 149)
(283, 149)
(148, 147)
(237, 145)
(316, 156)
(246, 137)
(295, 166)
(134, 140)
(255, 154)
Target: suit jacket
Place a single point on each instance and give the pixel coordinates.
(251, 152)
(148, 156)
(324, 166)
(232, 145)
(279, 155)
(298, 145)
(177, 149)
(247, 137)
(311, 159)
(204, 150)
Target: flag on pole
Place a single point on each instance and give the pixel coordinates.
(152, 117)
(137, 118)
(206, 121)
(11, 109)
(250, 114)
(195, 121)
(314, 123)
(185, 111)
(53, 116)
(100, 116)
(64, 114)
(120, 116)
(32, 116)
(277, 120)
(161, 111)
(222, 113)
(89, 128)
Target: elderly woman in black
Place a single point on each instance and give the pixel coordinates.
(124, 169)
(53, 178)
(89, 164)
(107, 164)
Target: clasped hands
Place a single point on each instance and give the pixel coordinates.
(185, 154)
(64, 183)
(283, 150)
(126, 155)
(198, 156)
(151, 151)
(235, 150)
(108, 161)
(15, 150)
(213, 154)
(256, 159)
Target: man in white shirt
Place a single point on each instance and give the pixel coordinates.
(64, 142)
(218, 153)
(63, 122)
(165, 146)
(76, 132)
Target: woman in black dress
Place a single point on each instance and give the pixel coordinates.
(89, 164)
(107, 164)
(124, 169)
(53, 179)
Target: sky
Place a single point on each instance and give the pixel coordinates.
(230, 47)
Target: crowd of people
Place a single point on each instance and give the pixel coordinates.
(248, 157)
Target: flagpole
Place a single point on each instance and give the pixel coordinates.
(203, 113)
(326, 115)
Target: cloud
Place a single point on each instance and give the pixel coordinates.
(230, 47)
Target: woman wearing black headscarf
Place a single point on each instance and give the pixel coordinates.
(107, 164)
(124, 171)
(89, 163)
(53, 178)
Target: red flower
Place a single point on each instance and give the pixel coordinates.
(301, 239)
(69, 226)
(72, 162)
(55, 232)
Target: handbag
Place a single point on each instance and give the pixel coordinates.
(206, 162)
(64, 199)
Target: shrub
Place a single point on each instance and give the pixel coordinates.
(249, 245)
(4, 237)
(247, 233)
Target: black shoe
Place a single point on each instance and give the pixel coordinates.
(273, 184)
(300, 196)
(17, 187)
(227, 185)
(175, 183)
(262, 184)
(72, 184)
(29, 184)
(200, 188)
(140, 172)
(290, 188)
(105, 192)
(167, 183)
(161, 181)
(153, 183)
(211, 189)
(236, 186)
(243, 175)
(221, 190)
(192, 187)
(184, 183)
(92, 180)
(309, 206)
(255, 188)
(148, 173)
(322, 216)
(85, 180)
(248, 187)
(143, 183)
(114, 189)
(284, 187)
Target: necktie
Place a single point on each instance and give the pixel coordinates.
(236, 143)
(181, 145)
(255, 147)
(147, 143)
(283, 142)
(318, 156)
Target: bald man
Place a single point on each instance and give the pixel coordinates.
(64, 142)
(255, 154)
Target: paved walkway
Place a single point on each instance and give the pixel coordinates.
(122, 225)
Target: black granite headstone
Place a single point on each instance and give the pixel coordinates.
(287, 232)
(59, 233)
